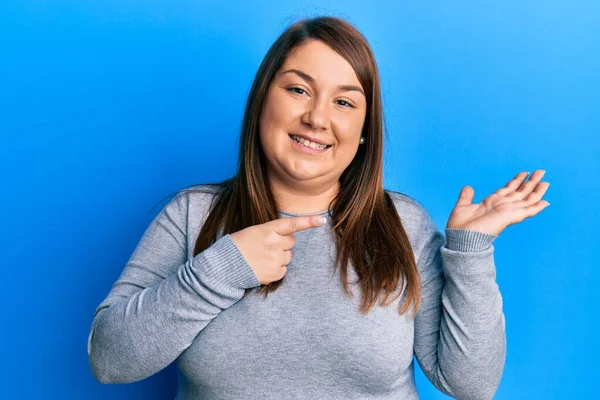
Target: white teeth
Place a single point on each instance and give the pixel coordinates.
(308, 143)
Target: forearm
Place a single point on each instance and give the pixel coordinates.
(138, 336)
(472, 344)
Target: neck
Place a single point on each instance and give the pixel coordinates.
(307, 198)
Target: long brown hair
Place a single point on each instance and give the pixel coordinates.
(368, 230)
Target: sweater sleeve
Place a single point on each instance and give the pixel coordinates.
(460, 339)
(162, 299)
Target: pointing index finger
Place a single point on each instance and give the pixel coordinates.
(287, 226)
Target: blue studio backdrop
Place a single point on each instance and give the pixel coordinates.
(107, 107)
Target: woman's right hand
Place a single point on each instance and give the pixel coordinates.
(267, 247)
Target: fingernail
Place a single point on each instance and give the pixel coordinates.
(321, 220)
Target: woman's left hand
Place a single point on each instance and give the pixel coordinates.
(507, 206)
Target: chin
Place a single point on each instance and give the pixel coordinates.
(302, 175)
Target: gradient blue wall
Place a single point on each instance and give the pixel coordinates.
(107, 107)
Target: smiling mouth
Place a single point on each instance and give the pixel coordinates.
(321, 149)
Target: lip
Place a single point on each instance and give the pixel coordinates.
(309, 138)
(306, 149)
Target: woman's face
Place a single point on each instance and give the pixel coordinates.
(315, 94)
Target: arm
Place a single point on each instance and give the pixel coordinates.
(162, 300)
(460, 339)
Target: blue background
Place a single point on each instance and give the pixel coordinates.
(108, 107)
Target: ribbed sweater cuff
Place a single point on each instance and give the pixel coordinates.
(467, 241)
(225, 266)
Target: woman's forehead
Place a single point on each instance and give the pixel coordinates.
(316, 63)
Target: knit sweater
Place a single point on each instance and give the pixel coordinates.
(308, 339)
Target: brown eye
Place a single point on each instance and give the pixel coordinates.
(296, 88)
(348, 104)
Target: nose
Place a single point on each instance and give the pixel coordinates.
(317, 115)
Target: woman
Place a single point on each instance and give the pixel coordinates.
(311, 146)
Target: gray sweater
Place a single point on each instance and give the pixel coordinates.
(307, 340)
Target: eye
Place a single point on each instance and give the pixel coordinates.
(290, 89)
(294, 89)
(348, 104)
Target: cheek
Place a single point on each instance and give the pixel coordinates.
(349, 135)
(271, 124)
(266, 120)
(278, 113)
(345, 153)
(354, 125)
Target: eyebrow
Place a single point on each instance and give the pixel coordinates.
(307, 77)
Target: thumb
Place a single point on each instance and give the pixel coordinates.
(287, 226)
(466, 196)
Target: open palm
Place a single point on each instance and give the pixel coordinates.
(509, 205)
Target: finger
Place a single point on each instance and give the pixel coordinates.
(466, 196)
(535, 196)
(534, 209)
(287, 242)
(289, 225)
(533, 180)
(287, 257)
(513, 184)
(537, 193)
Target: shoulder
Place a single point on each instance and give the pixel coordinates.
(189, 202)
(203, 192)
(196, 199)
(416, 219)
(409, 209)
